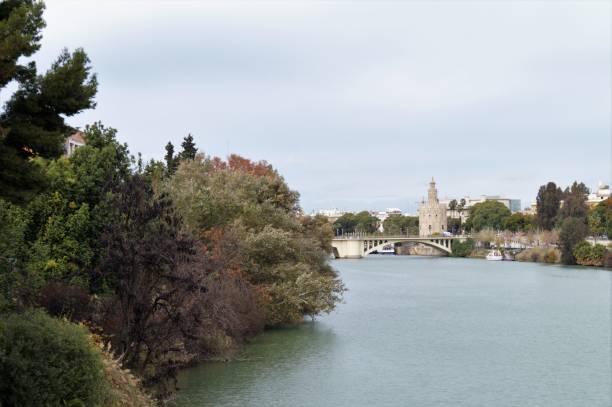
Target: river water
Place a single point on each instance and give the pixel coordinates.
(417, 331)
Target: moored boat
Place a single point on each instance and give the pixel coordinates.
(495, 255)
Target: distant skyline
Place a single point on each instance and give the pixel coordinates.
(358, 104)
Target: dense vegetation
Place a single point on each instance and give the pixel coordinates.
(463, 248)
(361, 222)
(168, 263)
(563, 219)
(587, 254)
(567, 211)
(401, 225)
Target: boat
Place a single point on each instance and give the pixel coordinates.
(387, 249)
(508, 256)
(495, 255)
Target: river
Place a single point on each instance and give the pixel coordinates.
(418, 331)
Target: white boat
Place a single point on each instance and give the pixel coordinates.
(387, 249)
(495, 255)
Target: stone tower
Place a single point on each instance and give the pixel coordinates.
(432, 214)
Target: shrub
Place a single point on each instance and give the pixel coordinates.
(551, 256)
(608, 257)
(63, 300)
(125, 388)
(539, 255)
(589, 255)
(46, 361)
(462, 248)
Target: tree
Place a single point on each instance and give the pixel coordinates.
(462, 248)
(345, 224)
(32, 124)
(144, 261)
(596, 227)
(94, 169)
(548, 237)
(488, 214)
(189, 149)
(281, 256)
(518, 222)
(460, 209)
(13, 250)
(20, 25)
(171, 160)
(452, 205)
(454, 225)
(574, 202)
(548, 202)
(573, 231)
(600, 219)
(366, 223)
(486, 236)
(400, 224)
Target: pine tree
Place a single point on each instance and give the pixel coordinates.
(32, 123)
(189, 148)
(171, 160)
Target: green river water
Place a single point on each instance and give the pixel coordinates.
(418, 331)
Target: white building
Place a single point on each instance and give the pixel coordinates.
(331, 214)
(73, 142)
(602, 193)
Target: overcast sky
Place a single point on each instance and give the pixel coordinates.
(358, 104)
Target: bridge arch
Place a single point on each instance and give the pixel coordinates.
(371, 246)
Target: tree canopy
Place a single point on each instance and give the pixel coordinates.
(600, 219)
(488, 214)
(548, 203)
(574, 202)
(361, 222)
(573, 231)
(32, 123)
(400, 224)
(518, 222)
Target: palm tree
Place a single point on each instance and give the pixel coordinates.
(461, 208)
(452, 205)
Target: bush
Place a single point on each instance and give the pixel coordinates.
(551, 256)
(462, 248)
(125, 388)
(539, 255)
(46, 361)
(589, 255)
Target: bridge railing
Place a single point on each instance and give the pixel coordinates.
(359, 235)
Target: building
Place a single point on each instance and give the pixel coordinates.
(603, 193)
(73, 142)
(531, 209)
(432, 214)
(513, 204)
(332, 215)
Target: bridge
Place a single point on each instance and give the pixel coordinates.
(356, 246)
